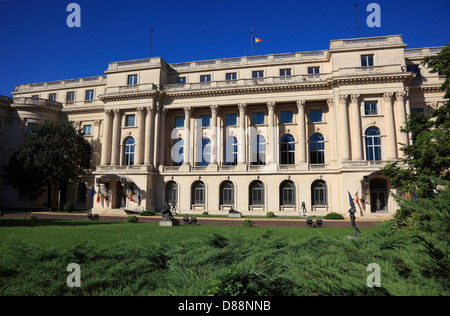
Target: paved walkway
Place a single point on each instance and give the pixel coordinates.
(269, 222)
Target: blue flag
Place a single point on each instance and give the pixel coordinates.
(92, 194)
(350, 198)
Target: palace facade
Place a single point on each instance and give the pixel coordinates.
(257, 134)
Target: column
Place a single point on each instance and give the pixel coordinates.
(343, 127)
(106, 138)
(140, 137)
(149, 131)
(115, 138)
(355, 128)
(331, 118)
(215, 133)
(301, 132)
(400, 119)
(187, 136)
(390, 126)
(241, 141)
(272, 137)
(162, 134)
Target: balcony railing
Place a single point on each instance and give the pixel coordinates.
(36, 102)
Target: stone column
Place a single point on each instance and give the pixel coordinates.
(331, 118)
(400, 119)
(390, 126)
(355, 128)
(301, 132)
(187, 136)
(215, 133)
(149, 132)
(140, 137)
(115, 138)
(162, 136)
(242, 137)
(272, 137)
(343, 128)
(106, 138)
(156, 135)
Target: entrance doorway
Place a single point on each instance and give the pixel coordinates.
(120, 196)
(378, 195)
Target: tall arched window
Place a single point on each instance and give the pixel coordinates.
(319, 193)
(81, 194)
(177, 152)
(256, 193)
(287, 193)
(227, 193)
(205, 152)
(258, 150)
(373, 144)
(172, 192)
(316, 149)
(287, 150)
(129, 151)
(231, 148)
(198, 193)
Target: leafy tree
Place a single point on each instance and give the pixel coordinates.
(53, 151)
(427, 159)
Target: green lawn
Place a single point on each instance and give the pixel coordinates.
(145, 259)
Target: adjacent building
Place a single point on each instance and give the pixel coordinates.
(257, 134)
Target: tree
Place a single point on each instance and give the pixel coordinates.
(53, 151)
(427, 159)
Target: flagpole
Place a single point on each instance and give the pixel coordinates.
(252, 42)
(151, 38)
(356, 12)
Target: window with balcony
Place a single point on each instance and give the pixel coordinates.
(313, 70)
(366, 60)
(52, 96)
(205, 153)
(258, 74)
(287, 150)
(370, 108)
(177, 152)
(231, 76)
(181, 80)
(132, 80)
(316, 149)
(129, 152)
(205, 78)
(285, 72)
(258, 150)
(373, 144)
(231, 149)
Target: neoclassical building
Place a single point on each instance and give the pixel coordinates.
(258, 133)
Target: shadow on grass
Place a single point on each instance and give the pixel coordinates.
(15, 222)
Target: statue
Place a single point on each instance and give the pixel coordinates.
(166, 213)
(304, 208)
(352, 212)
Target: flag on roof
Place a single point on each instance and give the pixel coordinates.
(257, 40)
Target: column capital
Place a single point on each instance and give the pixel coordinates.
(150, 109)
(108, 112)
(214, 108)
(301, 104)
(330, 102)
(343, 98)
(355, 98)
(187, 110)
(242, 107)
(140, 110)
(400, 95)
(116, 112)
(387, 96)
(271, 105)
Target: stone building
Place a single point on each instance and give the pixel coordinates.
(256, 133)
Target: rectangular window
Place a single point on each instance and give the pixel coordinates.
(132, 80)
(285, 72)
(205, 120)
(181, 80)
(87, 130)
(30, 127)
(179, 122)
(258, 74)
(370, 108)
(313, 70)
(286, 117)
(89, 95)
(52, 96)
(414, 69)
(205, 78)
(258, 118)
(366, 60)
(70, 97)
(231, 119)
(231, 76)
(417, 110)
(315, 115)
(130, 120)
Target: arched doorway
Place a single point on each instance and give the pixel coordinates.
(378, 195)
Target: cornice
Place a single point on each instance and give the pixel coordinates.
(84, 110)
(31, 108)
(129, 96)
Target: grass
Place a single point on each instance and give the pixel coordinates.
(145, 259)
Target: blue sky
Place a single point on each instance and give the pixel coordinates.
(37, 44)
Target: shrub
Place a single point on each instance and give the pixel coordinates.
(132, 219)
(32, 217)
(205, 213)
(248, 223)
(69, 207)
(148, 213)
(270, 214)
(333, 215)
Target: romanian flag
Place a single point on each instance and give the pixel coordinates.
(257, 40)
(131, 195)
(98, 197)
(357, 197)
(350, 198)
(91, 198)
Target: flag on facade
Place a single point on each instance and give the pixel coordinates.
(91, 198)
(139, 196)
(408, 196)
(98, 197)
(131, 195)
(357, 197)
(350, 198)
